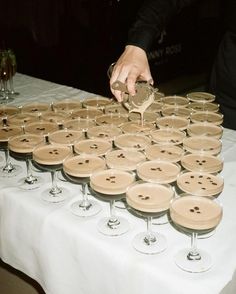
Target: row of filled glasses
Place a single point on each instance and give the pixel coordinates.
(170, 106)
(162, 163)
(205, 146)
(109, 184)
(7, 71)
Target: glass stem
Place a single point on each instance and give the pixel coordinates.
(8, 168)
(30, 179)
(113, 221)
(6, 97)
(85, 204)
(142, 118)
(54, 190)
(150, 237)
(1, 87)
(193, 253)
(12, 91)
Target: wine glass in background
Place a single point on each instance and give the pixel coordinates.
(149, 200)
(12, 71)
(5, 73)
(195, 215)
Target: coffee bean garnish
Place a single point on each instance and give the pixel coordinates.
(69, 135)
(55, 151)
(111, 179)
(121, 155)
(156, 168)
(94, 146)
(102, 135)
(25, 140)
(143, 197)
(195, 209)
(40, 128)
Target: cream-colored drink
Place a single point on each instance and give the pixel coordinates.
(111, 181)
(197, 213)
(149, 197)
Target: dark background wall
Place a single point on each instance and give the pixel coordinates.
(73, 41)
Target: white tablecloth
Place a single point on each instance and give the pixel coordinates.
(67, 255)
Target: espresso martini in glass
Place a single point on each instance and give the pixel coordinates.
(149, 200)
(195, 214)
(49, 157)
(9, 169)
(94, 146)
(78, 169)
(21, 147)
(110, 185)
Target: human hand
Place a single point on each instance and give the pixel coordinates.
(130, 67)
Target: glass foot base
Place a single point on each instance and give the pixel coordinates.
(6, 100)
(193, 266)
(93, 209)
(35, 183)
(158, 245)
(54, 198)
(15, 171)
(106, 227)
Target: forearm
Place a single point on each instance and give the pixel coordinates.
(151, 19)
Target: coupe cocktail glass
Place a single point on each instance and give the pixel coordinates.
(50, 157)
(9, 169)
(110, 185)
(21, 147)
(77, 169)
(149, 200)
(160, 172)
(195, 215)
